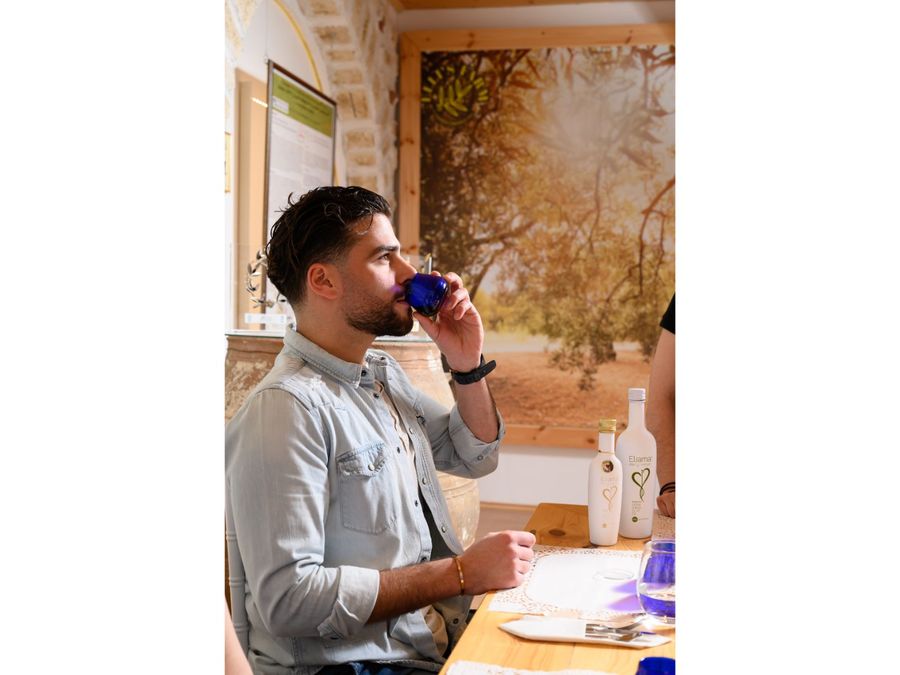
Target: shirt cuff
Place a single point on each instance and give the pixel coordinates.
(468, 446)
(357, 592)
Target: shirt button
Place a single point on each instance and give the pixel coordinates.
(456, 620)
(424, 481)
(417, 502)
(376, 396)
(480, 457)
(398, 449)
(364, 373)
(443, 528)
(371, 467)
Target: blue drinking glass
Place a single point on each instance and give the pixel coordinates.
(656, 665)
(426, 292)
(656, 582)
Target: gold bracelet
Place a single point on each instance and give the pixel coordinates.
(462, 579)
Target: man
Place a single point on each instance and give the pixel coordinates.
(661, 410)
(333, 507)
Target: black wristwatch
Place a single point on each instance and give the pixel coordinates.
(474, 375)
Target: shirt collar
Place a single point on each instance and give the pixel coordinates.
(351, 373)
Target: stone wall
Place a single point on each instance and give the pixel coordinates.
(359, 41)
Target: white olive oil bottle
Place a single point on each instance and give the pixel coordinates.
(605, 488)
(636, 449)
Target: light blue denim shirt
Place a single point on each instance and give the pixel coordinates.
(314, 509)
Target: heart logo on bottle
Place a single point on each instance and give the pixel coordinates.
(608, 494)
(640, 479)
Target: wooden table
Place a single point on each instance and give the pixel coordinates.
(483, 641)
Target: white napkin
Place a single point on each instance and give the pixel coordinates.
(553, 629)
(475, 668)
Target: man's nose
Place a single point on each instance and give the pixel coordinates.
(405, 271)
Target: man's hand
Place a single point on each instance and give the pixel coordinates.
(500, 560)
(457, 329)
(666, 504)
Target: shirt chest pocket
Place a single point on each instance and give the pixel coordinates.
(368, 489)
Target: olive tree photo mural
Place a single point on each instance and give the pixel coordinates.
(548, 183)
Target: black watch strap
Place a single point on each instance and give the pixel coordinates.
(474, 375)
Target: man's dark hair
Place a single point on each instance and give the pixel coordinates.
(319, 227)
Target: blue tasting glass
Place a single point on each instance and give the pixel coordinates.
(656, 665)
(426, 292)
(656, 586)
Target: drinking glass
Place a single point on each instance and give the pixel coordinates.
(426, 292)
(656, 582)
(656, 665)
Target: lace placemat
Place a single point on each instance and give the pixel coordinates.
(585, 583)
(475, 668)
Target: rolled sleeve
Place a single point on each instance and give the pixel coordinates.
(470, 456)
(357, 592)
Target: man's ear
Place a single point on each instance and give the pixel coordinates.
(323, 280)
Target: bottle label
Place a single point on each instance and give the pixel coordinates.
(636, 509)
(609, 494)
(640, 479)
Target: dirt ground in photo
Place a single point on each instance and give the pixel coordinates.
(529, 390)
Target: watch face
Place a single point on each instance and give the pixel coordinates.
(453, 93)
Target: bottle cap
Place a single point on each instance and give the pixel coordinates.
(607, 426)
(637, 394)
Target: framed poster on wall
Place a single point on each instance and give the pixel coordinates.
(539, 164)
(300, 154)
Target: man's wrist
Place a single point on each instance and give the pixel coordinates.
(462, 577)
(475, 374)
(465, 367)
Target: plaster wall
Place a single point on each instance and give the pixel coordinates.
(528, 475)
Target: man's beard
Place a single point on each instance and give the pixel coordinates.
(376, 318)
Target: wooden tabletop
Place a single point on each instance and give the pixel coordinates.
(483, 641)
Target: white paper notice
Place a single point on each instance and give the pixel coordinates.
(595, 584)
(300, 153)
